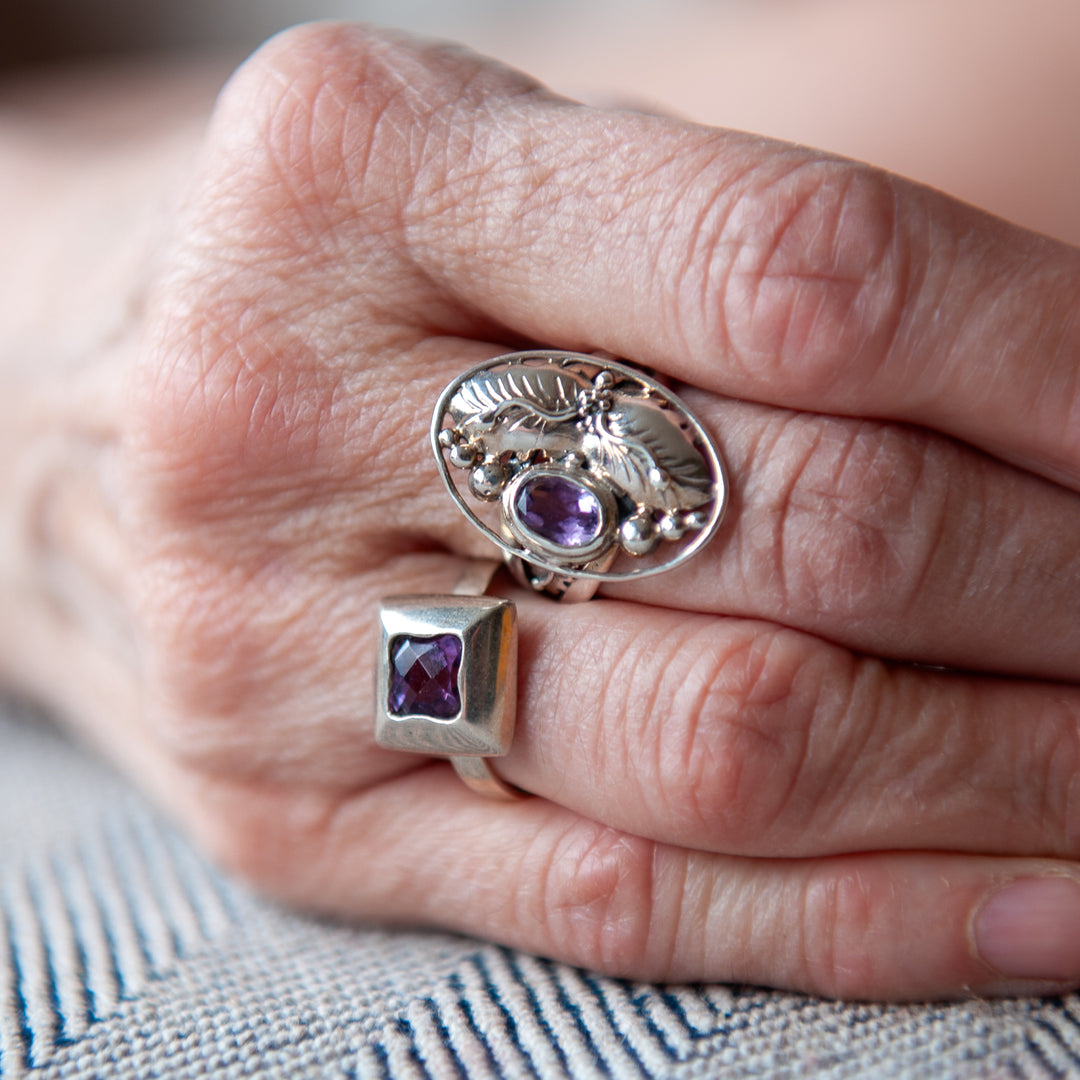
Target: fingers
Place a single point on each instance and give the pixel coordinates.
(278, 385)
(356, 234)
(532, 875)
(765, 272)
(884, 539)
(741, 737)
(422, 848)
(280, 443)
(752, 269)
(888, 540)
(722, 734)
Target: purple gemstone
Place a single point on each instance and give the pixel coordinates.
(560, 510)
(424, 676)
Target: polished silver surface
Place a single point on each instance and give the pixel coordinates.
(476, 578)
(651, 475)
(477, 772)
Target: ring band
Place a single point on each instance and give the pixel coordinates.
(482, 778)
(581, 470)
(475, 771)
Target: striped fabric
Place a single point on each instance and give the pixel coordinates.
(123, 955)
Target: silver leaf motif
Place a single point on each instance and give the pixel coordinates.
(538, 399)
(643, 452)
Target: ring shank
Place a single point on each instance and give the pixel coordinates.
(480, 776)
(562, 587)
(477, 772)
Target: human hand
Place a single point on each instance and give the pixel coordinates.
(739, 773)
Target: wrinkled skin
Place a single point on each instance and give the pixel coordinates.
(750, 769)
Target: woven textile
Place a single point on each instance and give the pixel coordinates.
(123, 955)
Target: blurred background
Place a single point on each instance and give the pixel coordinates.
(38, 30)
(979, 97)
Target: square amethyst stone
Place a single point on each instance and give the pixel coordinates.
(424, 676)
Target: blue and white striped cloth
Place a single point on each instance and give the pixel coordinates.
(124, 955)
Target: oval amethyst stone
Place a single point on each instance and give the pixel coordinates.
(559, 510)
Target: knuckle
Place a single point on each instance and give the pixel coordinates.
(596, 898)
(245, 846)
(383, 128)
(288, 119)
(804, 270)
(217, 410)
(839, 923)
(1050, 796)
(859, 513)
(322, 146)
(732, 773)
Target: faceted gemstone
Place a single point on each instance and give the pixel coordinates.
(559, 509)
(424, 676)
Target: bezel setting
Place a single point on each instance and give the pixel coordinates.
(487, 675)
(562, 554)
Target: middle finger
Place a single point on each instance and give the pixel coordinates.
(885, 538)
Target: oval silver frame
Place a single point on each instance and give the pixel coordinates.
(566, 359)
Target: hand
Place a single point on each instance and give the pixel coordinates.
(740, 772)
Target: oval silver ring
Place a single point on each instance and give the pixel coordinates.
(579, 465)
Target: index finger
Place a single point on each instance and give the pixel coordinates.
(751, 268)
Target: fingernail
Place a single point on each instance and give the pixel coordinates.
(1031, 929)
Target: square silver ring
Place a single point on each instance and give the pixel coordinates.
(468, 705)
